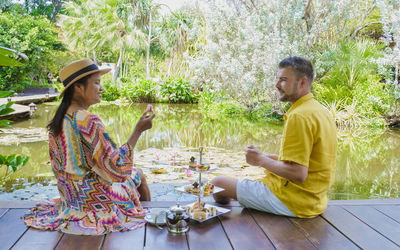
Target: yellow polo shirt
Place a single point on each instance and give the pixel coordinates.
(309, 139)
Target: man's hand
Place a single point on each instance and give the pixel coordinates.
(253, 155)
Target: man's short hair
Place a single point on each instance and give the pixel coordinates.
(301, 66)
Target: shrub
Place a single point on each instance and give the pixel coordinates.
(349, 80)
(142, 90)
(177, 91)
(111, 92)
(36, 37)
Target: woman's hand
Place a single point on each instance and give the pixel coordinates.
(145, 122)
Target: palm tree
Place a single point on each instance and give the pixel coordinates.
(100, 23)
(174, 37)
(144, 13)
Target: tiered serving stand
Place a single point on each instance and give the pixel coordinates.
(220, 210)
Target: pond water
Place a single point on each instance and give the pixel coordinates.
(367, 163)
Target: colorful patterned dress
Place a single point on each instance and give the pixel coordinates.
(95, 179)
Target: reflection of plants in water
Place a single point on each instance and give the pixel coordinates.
(367, 162)
(369, 153)
(11, 162)
(183, 125)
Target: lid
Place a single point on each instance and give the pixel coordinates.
(177, 209)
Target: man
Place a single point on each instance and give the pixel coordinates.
(297, 180)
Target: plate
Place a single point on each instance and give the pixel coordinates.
(212, 167)
(216, 190)
(156, 212)
(221, 211)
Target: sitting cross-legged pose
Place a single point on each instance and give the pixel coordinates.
(100, 191)
(296, 181)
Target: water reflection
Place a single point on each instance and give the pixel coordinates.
(367, 164)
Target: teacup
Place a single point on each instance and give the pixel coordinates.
(156, 216)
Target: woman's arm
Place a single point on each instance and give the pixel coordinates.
(144, 123)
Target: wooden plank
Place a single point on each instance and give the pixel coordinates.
(11, 227)
(35, 239)
(149, 204)
(243, 231)
(281, 231)
(162, 239)
(17, 204)
(322, 234)
(393, 211)
(3, 211)
(360, 233)
(76, 242)
(208, 235)
(365, 202)
(378, 221)
(125, 240)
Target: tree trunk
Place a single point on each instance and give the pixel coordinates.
(171, 61)
(116, 73)
(56, 9)
(148, 48)
(94, 57)
(396, 77)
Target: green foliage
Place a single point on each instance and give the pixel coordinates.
(111, 92)
(349, 85)
(142, 90)
(14, 162)
(36, 37)
(177, 91)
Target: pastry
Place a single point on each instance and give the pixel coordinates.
(212, 210)
(195, 188)
(199, 215)
(208, 189)
(188, 188)
(201, 167)
(192, 163)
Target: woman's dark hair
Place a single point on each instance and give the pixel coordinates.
(55, 125)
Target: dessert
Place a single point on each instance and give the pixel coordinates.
(199, 215)
(195, 188)
(208, 189)
(192, 163)
(212, 210)
(201, 167)
(198, 211)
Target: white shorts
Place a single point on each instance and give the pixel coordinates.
(254, 194)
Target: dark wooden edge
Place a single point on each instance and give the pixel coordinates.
(147, 204)
(150, 204)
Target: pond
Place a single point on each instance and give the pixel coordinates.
(367, 162)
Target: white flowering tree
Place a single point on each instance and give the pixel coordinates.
(390, 15)
(245, 44)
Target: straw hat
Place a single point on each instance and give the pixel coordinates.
(77, 70)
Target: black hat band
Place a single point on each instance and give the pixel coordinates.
(80, 72)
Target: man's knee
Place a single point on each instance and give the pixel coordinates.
(219, 181)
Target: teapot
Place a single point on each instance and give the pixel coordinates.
(177, 219)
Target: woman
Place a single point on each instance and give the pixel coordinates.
(99, 188)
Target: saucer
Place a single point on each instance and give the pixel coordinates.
(153, 214)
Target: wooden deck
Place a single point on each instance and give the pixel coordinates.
(354, 224)
(21, 108)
